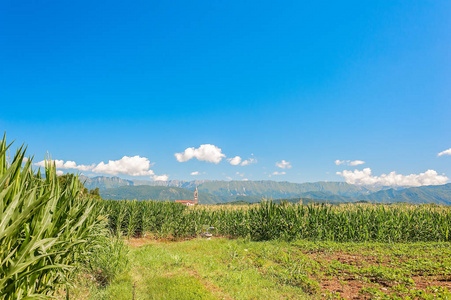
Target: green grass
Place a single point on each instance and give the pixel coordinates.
(195, 269)
(242, 269)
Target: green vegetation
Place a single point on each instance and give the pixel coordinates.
(267, 221)
(241, 269)
(58, 239)
(49, 229)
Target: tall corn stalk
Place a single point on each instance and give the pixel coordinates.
(44, 228)
(267, 220)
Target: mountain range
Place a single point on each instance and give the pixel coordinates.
(162, 193)
(211, 192)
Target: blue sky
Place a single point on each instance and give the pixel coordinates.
(307, 83)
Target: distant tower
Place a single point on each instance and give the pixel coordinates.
(195, 196)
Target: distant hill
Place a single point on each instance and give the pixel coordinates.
(254, 191)
(275, 190)
(266, 188)
(439, 194)
(248, 199)
(160, 193)
(103, 182)
(328, 197)
(189, 185)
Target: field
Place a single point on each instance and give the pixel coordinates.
(222, 268)
(286, 221)
(59, 240)
(351, 251)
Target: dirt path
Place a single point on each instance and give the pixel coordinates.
(209, 286)
(141, 281)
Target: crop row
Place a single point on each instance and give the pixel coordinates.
(267, 221)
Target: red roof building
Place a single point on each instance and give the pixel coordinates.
(188, 202)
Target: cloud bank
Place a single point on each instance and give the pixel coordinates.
(349, 162)
(446, 152)
(163, 177)
(238, 161)
(283, 164)
(364, 177)
(206, 152)
(234, 161)
(195, 173)
(132, 166)
(279, 173)
(249, 161)
(60, 164)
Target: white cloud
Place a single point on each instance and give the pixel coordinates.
(249, 161)
(446, 152)
(238, 161)
(356, 162)
(229, 178)
(60, 164)
(283, 164)
(163, 177)
(59, 172)
(279, 173)
(244, 179)
(240, 174)
(206, 152)
(84, 167)
(133, 166)
(364, 177)
(42, 163)
(349, 162)
(195, 173)
(234, 161)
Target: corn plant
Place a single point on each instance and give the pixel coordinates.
(267, 220)
(44, 228)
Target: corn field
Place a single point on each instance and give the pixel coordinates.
(45, 228)
(267, 221)
(48, 228)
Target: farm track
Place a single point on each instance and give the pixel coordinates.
(228, 269)
(138, 280)
(223, 268)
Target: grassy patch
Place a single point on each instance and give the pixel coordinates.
(240, 269)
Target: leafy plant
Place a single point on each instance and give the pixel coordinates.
(109, 258)
(45, 227)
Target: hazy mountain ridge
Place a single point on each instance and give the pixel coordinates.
(189, 185)
(439, 194)
(284, 189)
(327, 196)
(264, 188)
(427, 194)
(253, 191)
(104, 182)
(160, 193)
